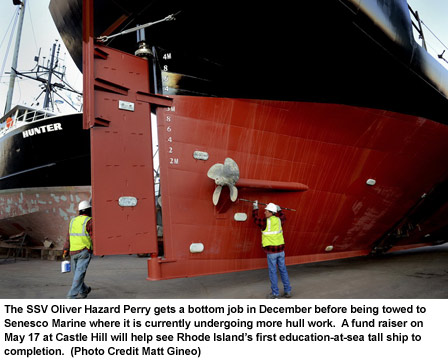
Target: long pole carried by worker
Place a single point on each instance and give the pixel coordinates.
(281, 207)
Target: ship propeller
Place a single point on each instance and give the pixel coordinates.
(227, 174)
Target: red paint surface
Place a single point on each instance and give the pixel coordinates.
(329, 150)
(121, 154)
(333, 149)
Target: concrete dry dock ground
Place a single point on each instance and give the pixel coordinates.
(419, 273)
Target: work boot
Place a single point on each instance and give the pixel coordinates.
(287, 295)
(84, 294)
(272, 296)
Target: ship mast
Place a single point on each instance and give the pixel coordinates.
(12, 78)
(50, 74)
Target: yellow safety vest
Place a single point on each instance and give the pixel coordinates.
(79, 237)
(273, 234)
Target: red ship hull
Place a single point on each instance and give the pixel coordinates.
(353, 143)
(334, 149)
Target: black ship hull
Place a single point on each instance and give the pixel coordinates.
(44, 173)
(50, 152)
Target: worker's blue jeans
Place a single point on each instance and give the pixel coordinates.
(80, 262)
(278, 260)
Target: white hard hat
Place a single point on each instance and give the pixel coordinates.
(271, 207)
(84, 205)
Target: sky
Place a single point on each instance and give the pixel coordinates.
(434, 15)
(39, 31)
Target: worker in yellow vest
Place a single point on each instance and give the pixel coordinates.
(79, 245)
(273, 245)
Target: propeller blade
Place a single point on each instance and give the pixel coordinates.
(216, 194)
(231, 170)
(215, 171)
(225, 174)
(233, 193)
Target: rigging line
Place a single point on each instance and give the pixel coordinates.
(432, 47)
(14, 16)
(131, 16)
(167, 18)
(440, 41)
(9, 43)
(66, 101)
(20, 92)
(68, 86)
(32, 26)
